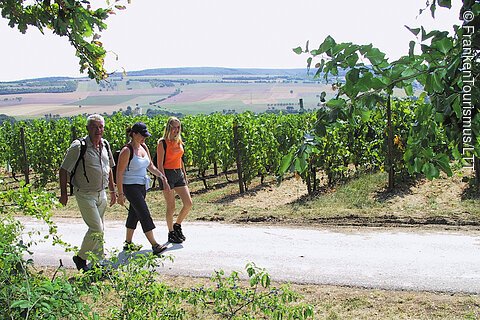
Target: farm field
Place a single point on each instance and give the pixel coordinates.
(257, 97)
(182, 94)
(35, 105)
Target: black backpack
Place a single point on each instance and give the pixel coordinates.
(164, 152)
(83, 149)
(155, 160)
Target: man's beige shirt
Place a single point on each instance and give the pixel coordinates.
(97, 166)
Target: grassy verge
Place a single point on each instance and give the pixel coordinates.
(335, 302)
(360, 202)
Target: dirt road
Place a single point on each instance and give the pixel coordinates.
(373, 258)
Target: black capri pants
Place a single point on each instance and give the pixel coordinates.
(138, 210)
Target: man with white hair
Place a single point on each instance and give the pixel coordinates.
(88, 162)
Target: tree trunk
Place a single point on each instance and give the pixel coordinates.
(309, 183)
(476, 163)
(201, 175)
(313, 173)
(389, 162)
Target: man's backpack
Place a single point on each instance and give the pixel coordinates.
(83, 150)
(117, 154)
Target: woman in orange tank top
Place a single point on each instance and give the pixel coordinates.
(170, 163)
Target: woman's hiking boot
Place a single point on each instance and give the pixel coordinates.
(178, 230)
(158, 249)
(173, 237)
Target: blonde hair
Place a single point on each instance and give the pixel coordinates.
(167, 134)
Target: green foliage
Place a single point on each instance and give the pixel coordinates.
(260, 300)
(208, 141)
(265, 138)
(426, 145)
(48, 135)
(371, 79)
(74, 19)
(357, 137)
(25, 294)
(45, 144)
(257, 144)
(35, 204)
(139, 294)
(341, 141)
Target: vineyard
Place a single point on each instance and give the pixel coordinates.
(258, 145)
(351, 154)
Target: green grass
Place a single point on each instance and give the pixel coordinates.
(355, 194)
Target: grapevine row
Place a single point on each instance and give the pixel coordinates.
(209, 141)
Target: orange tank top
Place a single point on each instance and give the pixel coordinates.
(173, 156)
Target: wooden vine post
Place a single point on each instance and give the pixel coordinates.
(238, 155)
(25, 166)
(74, 133)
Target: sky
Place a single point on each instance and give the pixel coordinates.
(222, 33)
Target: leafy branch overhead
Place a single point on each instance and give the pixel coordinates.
(71, 18)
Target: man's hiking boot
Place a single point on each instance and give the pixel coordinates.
(158, 249)
(173, 237)
(131, 247)
(80, 263)
(178, 230)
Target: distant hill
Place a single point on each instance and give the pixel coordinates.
(218, 71)
(44, 79)
(39, 85)
(301, 73)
